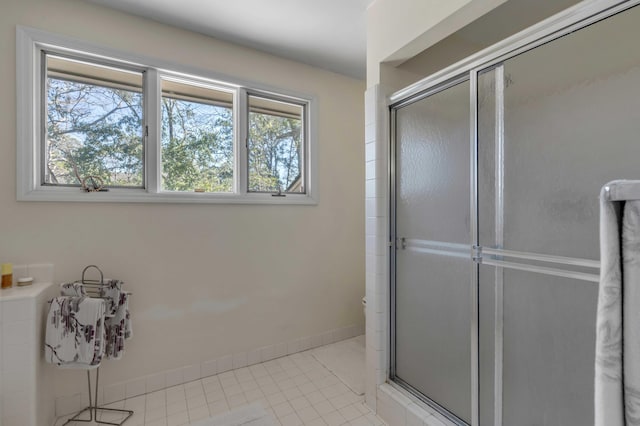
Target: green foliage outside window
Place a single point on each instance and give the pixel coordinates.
(197, 146)
(93, 130)
(98, 130)
(274, 153)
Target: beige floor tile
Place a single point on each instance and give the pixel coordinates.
(296, 390)
(199, 413)
(178, 419)
(334, 418)
(291, 420)
(283, 409)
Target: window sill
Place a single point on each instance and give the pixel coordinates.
(117, 195)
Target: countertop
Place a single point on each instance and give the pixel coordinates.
(29, 291)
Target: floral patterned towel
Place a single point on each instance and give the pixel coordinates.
(75, 333)
(73, 289)
(118, 328)
(118, 319)
(111, 291)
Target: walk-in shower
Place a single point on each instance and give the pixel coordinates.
(495, 170)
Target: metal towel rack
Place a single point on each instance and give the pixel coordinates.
(622, 190)
(93, 287)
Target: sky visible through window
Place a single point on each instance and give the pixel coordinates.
(93, 130)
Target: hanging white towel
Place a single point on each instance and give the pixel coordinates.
(73, 289)
(118, 323)
(111, 291)
(617, 369)
(75, 331)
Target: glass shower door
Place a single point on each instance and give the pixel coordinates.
(514, 346)
(432, 292)
(555, 124)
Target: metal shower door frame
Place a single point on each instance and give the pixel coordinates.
(431, 246)
(559, 25)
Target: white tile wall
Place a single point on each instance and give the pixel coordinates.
(305, 343)
(293, 347)
(316, 341)
(280, 349)
(240, 360)
(172, 378)
(113, 393)
(209, 368)
(376, 231)
(70, 404)
(136, 387)
(156, 382)
(225, 363)
(391, 410)
(253, 357)
(26, 395)
(400, 409)
(191, 373)
(327, 338)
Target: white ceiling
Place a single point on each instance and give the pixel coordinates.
(329, 34)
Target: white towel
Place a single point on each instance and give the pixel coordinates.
(118, 328)
(111, 291)
(617, 369)
(75, 331)
(73, 289)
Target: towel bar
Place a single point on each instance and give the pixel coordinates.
(622, 190)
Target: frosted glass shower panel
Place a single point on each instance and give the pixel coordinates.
(432, 151)
(433, 263)
(486, 347)
(572, 120)
(549, 340)
(433, 325)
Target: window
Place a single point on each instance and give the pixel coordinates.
(99, 125)
(197, 138)
(275, 146)
(92, 123)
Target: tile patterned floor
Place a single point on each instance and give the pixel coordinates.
(297, 390)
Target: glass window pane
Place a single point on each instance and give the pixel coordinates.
(94, 119)
(275, 147)
(197, 138)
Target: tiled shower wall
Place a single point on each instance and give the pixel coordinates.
(377, 235)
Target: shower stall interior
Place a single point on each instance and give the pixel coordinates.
(495, 172)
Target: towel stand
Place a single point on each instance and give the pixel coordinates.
(93, 407)
(93, 290)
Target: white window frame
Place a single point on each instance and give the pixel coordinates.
(31, 42)
(304, 168)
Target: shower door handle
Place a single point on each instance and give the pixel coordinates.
(401, 243)
(476, 253)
